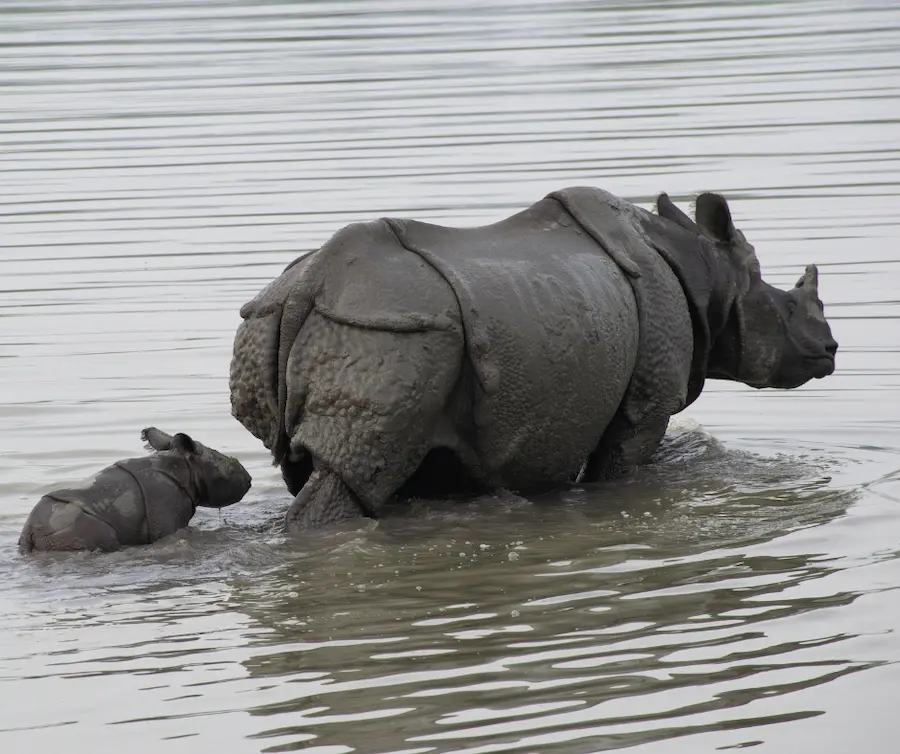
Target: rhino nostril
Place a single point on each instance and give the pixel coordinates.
(831, 347)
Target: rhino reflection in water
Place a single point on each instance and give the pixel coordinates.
(139, 500)
(550, 346)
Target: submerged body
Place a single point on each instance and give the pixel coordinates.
(550, 346)
(136, 501)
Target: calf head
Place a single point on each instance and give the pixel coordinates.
(220, 480)
(766, 337)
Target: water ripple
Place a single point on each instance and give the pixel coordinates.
(163, 161)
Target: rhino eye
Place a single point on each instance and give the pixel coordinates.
(791, 308)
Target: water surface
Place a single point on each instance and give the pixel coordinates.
(161, 162)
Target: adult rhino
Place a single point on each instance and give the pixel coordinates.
(136, 501)
(549, 347)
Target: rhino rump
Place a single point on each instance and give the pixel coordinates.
(56, 524)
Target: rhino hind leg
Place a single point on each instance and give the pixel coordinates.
(323, 500)
(59, 526)
(365, 403)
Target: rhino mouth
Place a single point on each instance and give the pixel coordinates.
(821, 365)
(808, 368)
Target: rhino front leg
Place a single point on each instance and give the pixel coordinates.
(624, 447)
(324, 500)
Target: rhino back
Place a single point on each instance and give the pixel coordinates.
(112, 496)
(551, 330)
(371, 281)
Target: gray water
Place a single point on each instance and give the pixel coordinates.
(161, 162)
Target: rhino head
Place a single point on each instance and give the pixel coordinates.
(219, 479)
(754, 333)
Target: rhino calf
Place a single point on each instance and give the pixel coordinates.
(136, 501)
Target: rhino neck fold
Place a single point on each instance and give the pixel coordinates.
(197, 488)
(727, 347)
(145, 525)
(182, 471)
(725, 317)
(709, 286)
(696, 282)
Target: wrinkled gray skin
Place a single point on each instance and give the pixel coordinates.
(550, 347)
(136, 501)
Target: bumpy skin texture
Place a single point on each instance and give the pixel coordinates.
(658, 385)
(550, 346)
(540, 336)
(136, 501)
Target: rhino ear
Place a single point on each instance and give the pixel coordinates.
(666, 208)
(156, 439)
(714, 218)
(183, 444)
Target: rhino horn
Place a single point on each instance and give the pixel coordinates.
(810, 279)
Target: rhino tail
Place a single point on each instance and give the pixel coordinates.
(262, 346)
(293, 316)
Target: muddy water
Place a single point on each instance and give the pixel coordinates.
(160, 162)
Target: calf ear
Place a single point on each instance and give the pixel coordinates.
(714, 217)
(156, 439)
(183, 443)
